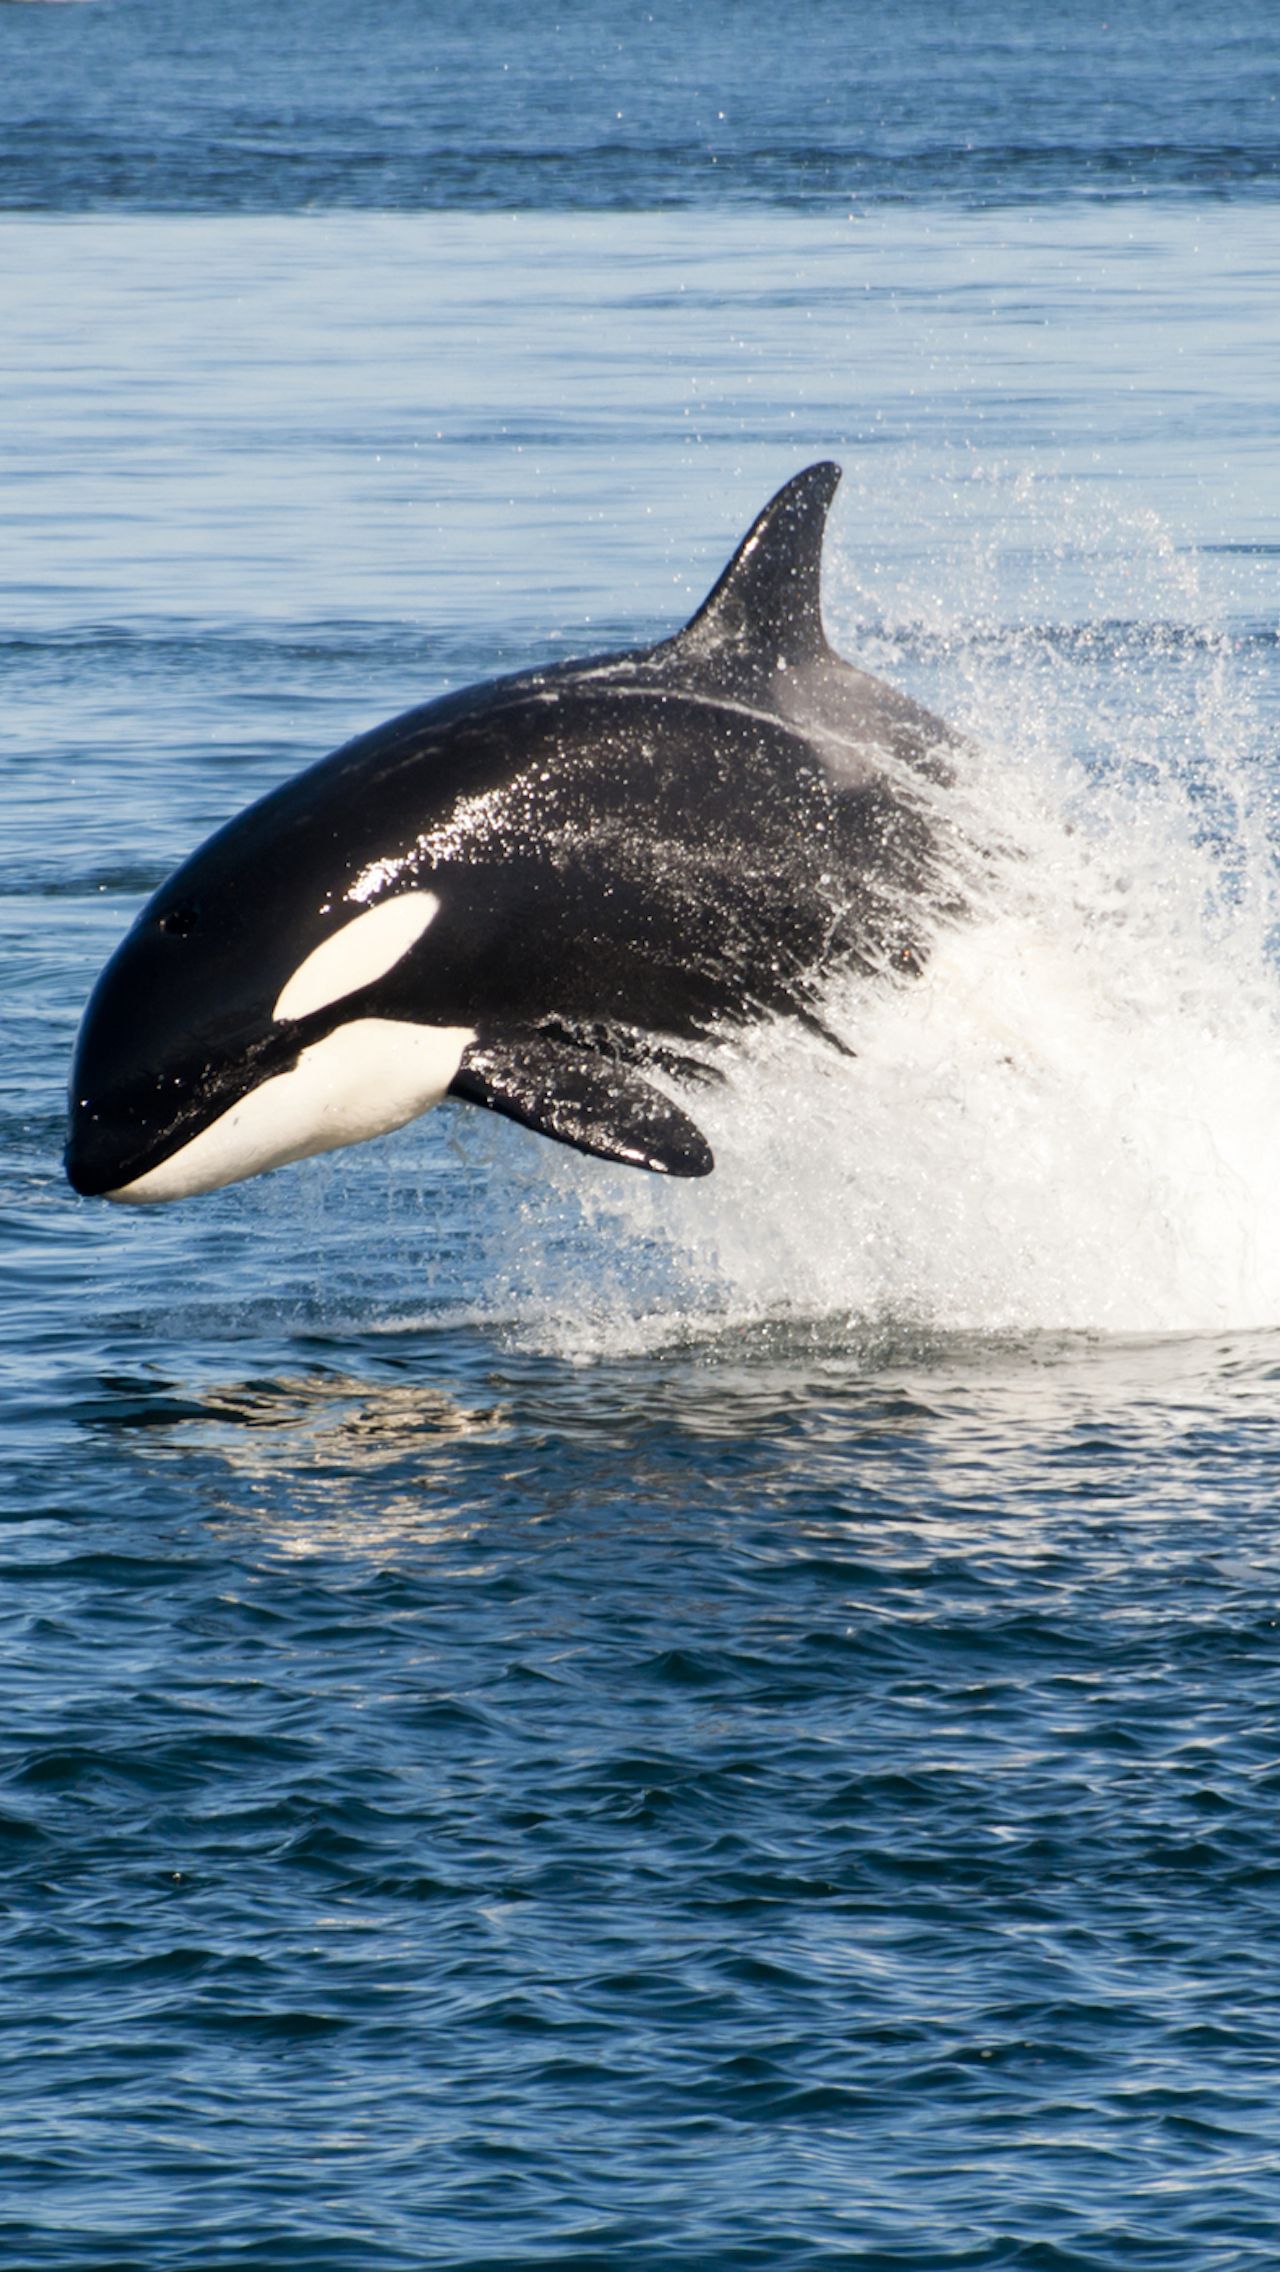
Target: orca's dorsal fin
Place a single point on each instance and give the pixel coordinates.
(768, 603)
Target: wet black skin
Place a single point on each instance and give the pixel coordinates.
(631, 854)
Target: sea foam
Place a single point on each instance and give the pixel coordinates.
(1069, 1120)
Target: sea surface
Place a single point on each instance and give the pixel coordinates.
(549, 1719)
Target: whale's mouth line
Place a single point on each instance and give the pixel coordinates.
(356, 1079)
(195, 1101)
(220, 1093)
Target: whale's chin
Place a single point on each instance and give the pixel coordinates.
(361, 1080)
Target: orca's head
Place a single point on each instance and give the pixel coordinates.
(247, 1020)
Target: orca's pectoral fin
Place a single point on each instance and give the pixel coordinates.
(584, 1100)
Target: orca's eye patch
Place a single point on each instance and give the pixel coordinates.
(179, 922)
(363, 950)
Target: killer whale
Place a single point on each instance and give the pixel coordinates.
(530, 895)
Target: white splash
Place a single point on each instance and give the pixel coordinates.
(1072, 1119)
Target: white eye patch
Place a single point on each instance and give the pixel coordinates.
(364, 949)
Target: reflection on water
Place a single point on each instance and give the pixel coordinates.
(337, 1459)
(963, 1443)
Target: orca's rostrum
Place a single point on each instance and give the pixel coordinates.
(532, 895)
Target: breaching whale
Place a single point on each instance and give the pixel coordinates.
(533, 895)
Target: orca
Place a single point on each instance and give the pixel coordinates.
(533, 895)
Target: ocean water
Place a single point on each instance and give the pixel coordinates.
(551, 1719)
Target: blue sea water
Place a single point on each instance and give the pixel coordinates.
(549, 1719)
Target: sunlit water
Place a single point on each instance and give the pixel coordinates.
(551, 1718)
